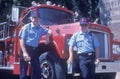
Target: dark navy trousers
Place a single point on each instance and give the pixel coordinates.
(87, 66)
(35, 64)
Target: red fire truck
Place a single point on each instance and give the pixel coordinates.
(53, 56)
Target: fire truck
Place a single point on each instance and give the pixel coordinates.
(53, 56)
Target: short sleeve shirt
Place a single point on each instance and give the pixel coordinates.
(31, 34)
(84, 42)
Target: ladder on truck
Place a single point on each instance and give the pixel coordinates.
(4, 31)
(4, 34)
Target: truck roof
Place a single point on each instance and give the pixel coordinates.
(58, 7)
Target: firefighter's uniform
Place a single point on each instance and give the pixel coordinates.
(85, 44)
(31, 36)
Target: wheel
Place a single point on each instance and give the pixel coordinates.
(47, 67)
(50, 67)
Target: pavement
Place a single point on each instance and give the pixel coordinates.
(5, 75)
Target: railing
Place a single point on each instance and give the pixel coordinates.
(4, 31)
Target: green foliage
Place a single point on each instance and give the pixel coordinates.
(83, 7)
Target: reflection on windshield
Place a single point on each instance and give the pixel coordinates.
(54, 16)
(50, 17)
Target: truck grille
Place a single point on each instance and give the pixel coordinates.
(104, 40)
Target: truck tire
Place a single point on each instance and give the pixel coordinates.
(50, 68)
(60, 71)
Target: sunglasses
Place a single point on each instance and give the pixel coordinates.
(83, 25)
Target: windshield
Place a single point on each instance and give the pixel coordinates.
(50, 16)
(53, 16)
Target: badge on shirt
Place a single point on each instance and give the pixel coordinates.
(80, 38)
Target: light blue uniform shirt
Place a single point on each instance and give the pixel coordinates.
(84, 42)
(31, 34)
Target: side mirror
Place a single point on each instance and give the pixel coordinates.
(15, 14)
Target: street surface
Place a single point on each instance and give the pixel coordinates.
(5, 75)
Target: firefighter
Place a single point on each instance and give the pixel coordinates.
(30, 36)
(87, 46)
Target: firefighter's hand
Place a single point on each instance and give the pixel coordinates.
(26, 56)
(70, 60)
(97, 62)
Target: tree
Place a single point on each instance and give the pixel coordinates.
(5, 9)
(83, 7)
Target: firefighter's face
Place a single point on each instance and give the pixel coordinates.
(84, 27)
(36, 21)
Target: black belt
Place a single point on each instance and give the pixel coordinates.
(87, 54)
(31, 47)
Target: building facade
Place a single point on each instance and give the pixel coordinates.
(110, 15)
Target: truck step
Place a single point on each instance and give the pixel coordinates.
(6, 68)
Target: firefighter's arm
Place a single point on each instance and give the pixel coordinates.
(25, 54)
(97, 58)
(70, 59)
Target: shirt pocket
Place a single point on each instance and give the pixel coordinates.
(79, 42)
(32, 34)
(90, 40)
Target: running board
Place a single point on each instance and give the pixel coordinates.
(6, 68)
(107, 67)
